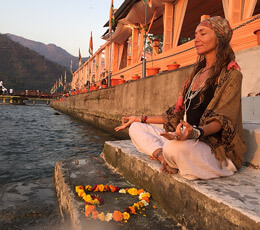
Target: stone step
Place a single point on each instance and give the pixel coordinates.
(223, 203)
(93, 170)
(252, 134)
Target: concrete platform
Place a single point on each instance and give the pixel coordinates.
(93, 170)
(223, 203)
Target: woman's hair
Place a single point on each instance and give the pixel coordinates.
(224, 55)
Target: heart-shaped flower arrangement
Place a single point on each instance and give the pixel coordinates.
(92, 201)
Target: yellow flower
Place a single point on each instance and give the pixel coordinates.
(88, 199)
(101, 216)
(101, 187)
(132, 191)
(96, 202)
(78, 188)
(136, 206)
(126, 215)
(88, 188)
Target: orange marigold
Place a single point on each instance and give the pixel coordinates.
(106, 187)
(112, 188)
(89, 209)
(146, 199)
(117, 216)
(139, 191)
(94, 214)
(132, 210)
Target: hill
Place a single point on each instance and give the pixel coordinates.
(50, 51)
(22, 68)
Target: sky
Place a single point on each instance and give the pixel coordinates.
(65, 23)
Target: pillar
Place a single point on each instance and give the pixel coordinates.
(134, 57)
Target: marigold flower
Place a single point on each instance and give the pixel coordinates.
(117, 216)
(100, 187)
(106, 187)
(112, 188)
(144, 202)
(89, 209)
(79, 187)
(141, 204)
(132, 191)
(88, 187)
(132, 210)
(94, 214)
(145, 194)
(101, 216)
(108, 217)
(126, 215)
(96, 202)
(136, 206)
(139, 191)
(146, 199)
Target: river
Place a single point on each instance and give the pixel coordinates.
(32, 139)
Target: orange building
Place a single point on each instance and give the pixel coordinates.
(174, 21)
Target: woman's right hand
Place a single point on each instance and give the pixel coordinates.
(126, 121)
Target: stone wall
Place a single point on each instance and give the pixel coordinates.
(104, 108)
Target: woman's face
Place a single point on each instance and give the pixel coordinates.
(205, 40)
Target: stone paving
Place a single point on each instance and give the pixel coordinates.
(232, 202)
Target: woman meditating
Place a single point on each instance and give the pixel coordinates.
(203, 135)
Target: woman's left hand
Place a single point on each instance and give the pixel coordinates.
(184, 131)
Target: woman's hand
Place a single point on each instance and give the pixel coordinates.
(184, 131)
(126, 121)
(169, 135)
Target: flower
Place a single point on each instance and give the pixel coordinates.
(88, 187)
(95, 214)
(101, 216)
(126, 215)
(132, 191)
(92, 201)
(117, 216)
(108, 217)
(122, 191)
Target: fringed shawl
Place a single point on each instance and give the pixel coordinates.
(224, 107)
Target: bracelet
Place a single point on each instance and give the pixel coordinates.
(143, 119)
(201, 132)
(197, 132)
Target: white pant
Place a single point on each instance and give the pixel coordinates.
(194, 159)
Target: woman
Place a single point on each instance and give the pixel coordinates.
(203, 135)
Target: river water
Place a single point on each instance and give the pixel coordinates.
(32, 139)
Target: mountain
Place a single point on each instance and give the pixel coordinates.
(50, 51)
(22, 68)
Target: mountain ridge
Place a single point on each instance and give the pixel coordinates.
(49, 51)
(22, 68)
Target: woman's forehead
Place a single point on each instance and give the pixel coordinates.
(202, 28)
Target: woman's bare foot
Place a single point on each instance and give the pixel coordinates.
(167, 169)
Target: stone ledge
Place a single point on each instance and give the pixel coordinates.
(93, 170)
(229, 203)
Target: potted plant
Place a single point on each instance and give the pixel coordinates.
(257, 33)
(152, 70)
(135, 77)
(175, 65)
(122, 79)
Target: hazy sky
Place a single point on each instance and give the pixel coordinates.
(65, 23)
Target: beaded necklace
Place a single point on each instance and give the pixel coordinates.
(191, 94)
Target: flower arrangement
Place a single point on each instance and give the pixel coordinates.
(92, 201)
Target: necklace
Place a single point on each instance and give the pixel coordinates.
(191, 94)
(202, 71)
